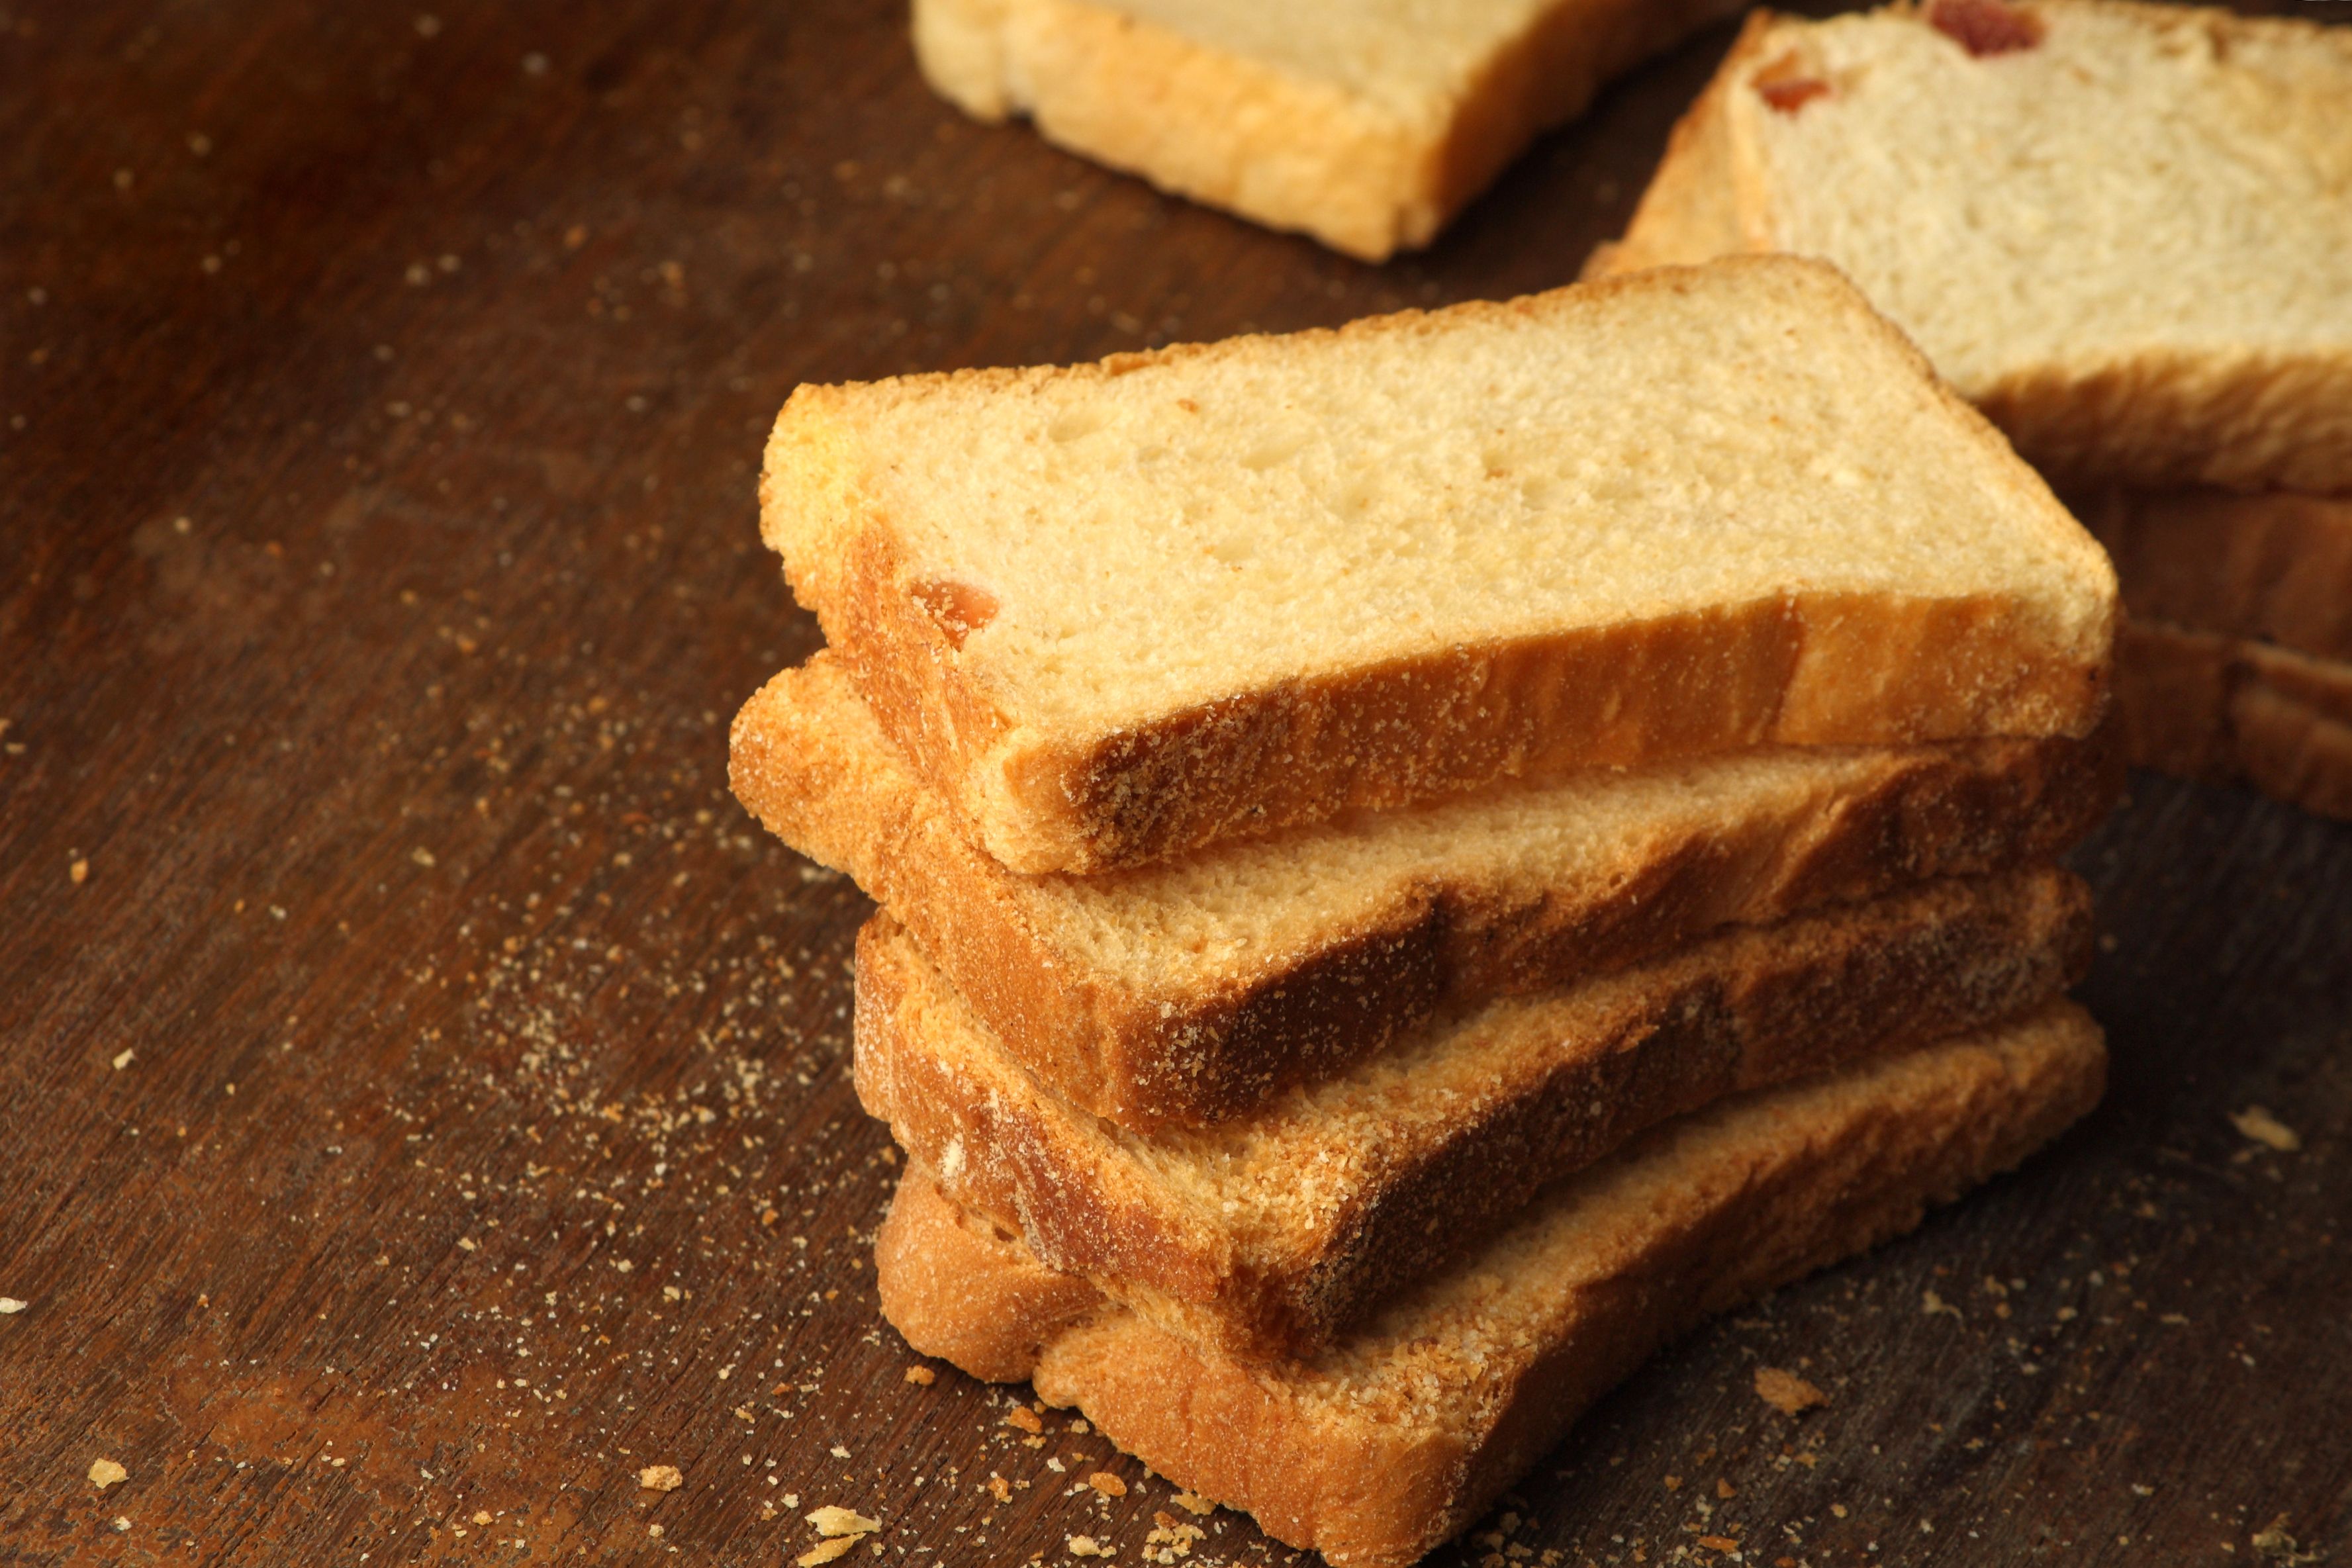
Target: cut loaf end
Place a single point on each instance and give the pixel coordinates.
(1116, 613)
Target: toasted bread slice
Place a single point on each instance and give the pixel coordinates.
(1269, 1235)
(2273, 566)
(2230, 711)
(1380, 1447)
(2125, 231)
(1116, 612)
(1188, 992)
(1365, 125)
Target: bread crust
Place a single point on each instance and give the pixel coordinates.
(1182, 1047)
(2273, 566)
(1472, 1122)
(2160, 417)
(2225, 710)
(1270, 143)
(1804, 667)
(1382, 1447)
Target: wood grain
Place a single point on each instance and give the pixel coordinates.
(424, 1096)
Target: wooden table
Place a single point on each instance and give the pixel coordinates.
(424, 1101)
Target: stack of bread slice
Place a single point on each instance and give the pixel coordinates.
(1419, 861)
(2125, 232)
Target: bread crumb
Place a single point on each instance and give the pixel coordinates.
(1718, 1543)
(104, 1473)
(1087, 1546)
(923, 1375)
(481, 1516)
(1021, 1416)
(1785, 1392)
(1725, 1489)
(79, 872)
(122, 1525)
(827, 1550)
(9, 1305)
(1194, 1503)
(653, 1531)
(2258, 1124)
(834, 1520)
(1108, 1484)
(1000, 1489)
(660, 1477)
(123, 1059)
(1674, 1483)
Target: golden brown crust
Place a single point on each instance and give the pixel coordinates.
(1269, 144)
(1577, 1075)
(2224, 710)
(1801, 669)
(809, 761)
(2275, 566)
(1704, 1215)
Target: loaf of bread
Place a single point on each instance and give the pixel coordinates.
(1365, 123)
(2123, 230)
(1188, 992)
(1113, 612)
(1381, 1446)
(1268, 1235)
(2230, 711)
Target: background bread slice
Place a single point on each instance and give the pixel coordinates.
(1381, 1447)
(2273, 567)
(1367, 125)
(1188, 992)
(1116, 612)
(1268, 1235)
(2127, 239)
(2219, 709)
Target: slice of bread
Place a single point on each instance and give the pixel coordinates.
(1365, 123)
(2276, 567)
(2125, 231)
(2218, 708)
(1383, 1445)
(1116, 612)
(1188, 992)
(1268, 1235)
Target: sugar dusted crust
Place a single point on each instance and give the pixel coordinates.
(1191, 1042)
(1379, 1448)
(1364, 173)
(1270, 1237)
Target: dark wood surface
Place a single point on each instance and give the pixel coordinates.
(424, 1098)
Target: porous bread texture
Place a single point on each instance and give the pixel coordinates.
(1365, 123)
(2276, 567)
(2129, 242)
(1379, 1448)
(2229, 711)
(1267, 1236)
(1116, 612)
(1190, 991)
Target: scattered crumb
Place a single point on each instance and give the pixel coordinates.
(653, 1531)
(1172, 1536)
(1021, 1416)
(1674, 1483)
(481, 1516)
(79, 872)
(831, 1520)
(1932, 1303)
(10, 1304)
(1788, 1393)
(2258, 1124)
(1718, 1543)
(122, 1525)
(827, 1550)
(2272, 1541)
(122, 1058)
(922, 1375)
(1000, 1489)
(1194, 1503)
(660, 1477)
(1725, 1489)
(104, 1473)
(1087, 1546)
(1108, 1484)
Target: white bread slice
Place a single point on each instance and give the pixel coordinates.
(1379, 1448)
(2226, 710)
(1116, 612)
(2127, 236)
(1365, 123)
(1268, 1235)
(2273, 567)
(1190, 991)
